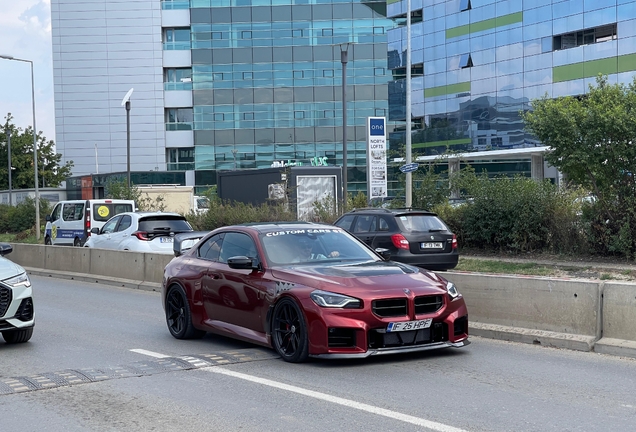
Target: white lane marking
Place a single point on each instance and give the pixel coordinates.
(323, 396)
(149, 353)
(337, 400)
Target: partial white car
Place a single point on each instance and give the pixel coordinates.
(17, 316)
(140, 232)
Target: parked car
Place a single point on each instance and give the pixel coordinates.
(140, 232)
(70, 223)
(414, 237)
(308, 290)
(17, 316)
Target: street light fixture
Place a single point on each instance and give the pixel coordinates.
(35, 146)
(344, 58)
(126, 101)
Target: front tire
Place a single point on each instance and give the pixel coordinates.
(47, 240)
(17, 336)
(178, 315)
(289, 332)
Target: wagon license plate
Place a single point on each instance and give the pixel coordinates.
(409, 325)
(166, 239)
(432, 245)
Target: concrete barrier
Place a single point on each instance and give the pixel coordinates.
(566, 313)
(618, 320)
(555, 312)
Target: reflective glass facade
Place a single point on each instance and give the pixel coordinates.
(483, 61)
(266, 81)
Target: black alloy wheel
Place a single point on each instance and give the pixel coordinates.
(178, 315)
(289, 332)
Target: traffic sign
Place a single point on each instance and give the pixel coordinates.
(407, 168)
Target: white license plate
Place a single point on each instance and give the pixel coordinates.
(166, 239)
(409, 325)
(432, 245)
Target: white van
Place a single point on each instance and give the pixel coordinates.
(70, 222)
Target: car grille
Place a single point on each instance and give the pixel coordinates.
(379, 338)
(396, 307)
(428, 304)
(5, 299)
(390, 307)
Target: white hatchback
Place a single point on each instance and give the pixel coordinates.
(17, 316)
(140, 232)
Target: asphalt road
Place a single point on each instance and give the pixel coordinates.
(82, 357)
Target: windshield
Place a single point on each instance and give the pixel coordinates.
(311, 245)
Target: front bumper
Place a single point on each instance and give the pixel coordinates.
(395, 350)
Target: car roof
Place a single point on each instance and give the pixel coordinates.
(265, 227)
(393, 211)
(148, 213)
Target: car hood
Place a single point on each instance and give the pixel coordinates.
(357, 278)
(8, 269)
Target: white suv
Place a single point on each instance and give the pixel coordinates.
(17, 316)
(140, 232)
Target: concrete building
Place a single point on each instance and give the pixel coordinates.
(476, 64)
(218, 84)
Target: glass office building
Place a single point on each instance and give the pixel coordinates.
(218, 84)
(476, 64)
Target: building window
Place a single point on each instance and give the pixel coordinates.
(299, 114)
(378, 71)
(330, 113)
(297, 33)
(219, 117)
(465, 5)
(246, 35)
(180, 159)
(380, 112)
(465, 61)
(218, 76)
(248, 116)
(248, 75)
(327, 73)
(585, 37)
(327, 32)
(217, 35)
(176, 39)
(179, 119)
(378, 30)
(299, 74)
(177, 79)
(496, 142)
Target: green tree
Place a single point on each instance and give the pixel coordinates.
(592, 140)
(50, 172)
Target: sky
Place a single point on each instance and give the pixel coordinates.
(25, 32)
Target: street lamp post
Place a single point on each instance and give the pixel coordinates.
(9, 153)
(35, 147)
(344, 58)
(126, 101)
(409, 176)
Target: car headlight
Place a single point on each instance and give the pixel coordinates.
(21, 279)
(452, 290)
(333, 300)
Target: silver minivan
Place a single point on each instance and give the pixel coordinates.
(71, 221)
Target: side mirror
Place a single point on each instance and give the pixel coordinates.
(95, 231)
(5, 249)
(384, 253)
(242, 263)
(48, 218)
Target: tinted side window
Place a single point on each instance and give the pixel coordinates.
(383, 224)
(211, 249)
(363, 224)
(237, 244)
(109, 227)
(164, 223)
(72, 212)
(345, 222)
(125, 223)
